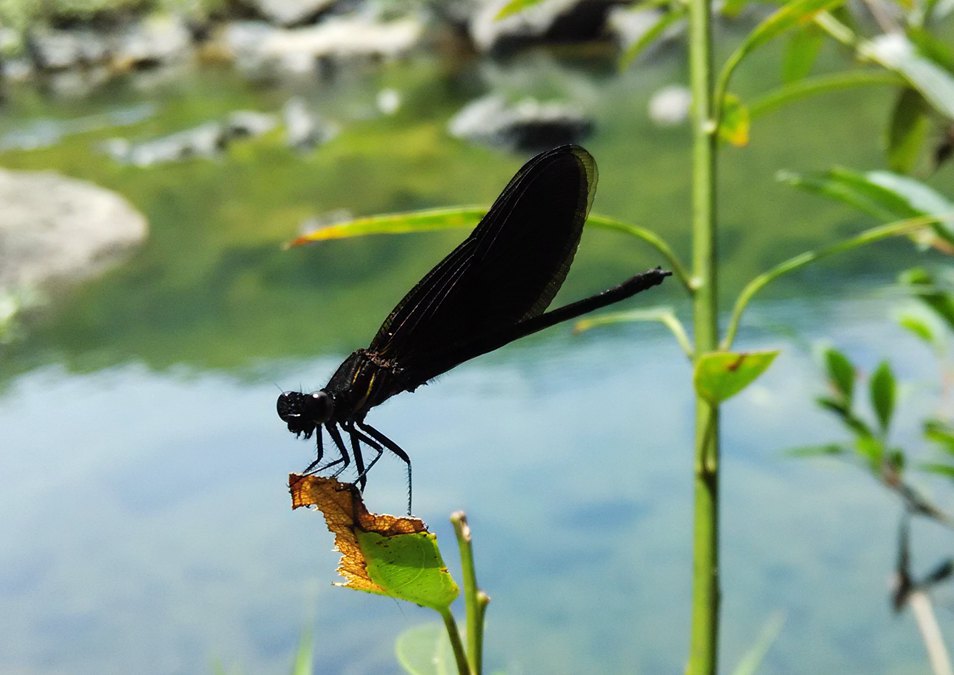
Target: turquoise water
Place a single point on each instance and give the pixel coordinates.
(146, 520)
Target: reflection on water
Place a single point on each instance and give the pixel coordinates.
(148, 526)
(146, 521)
(41, 133)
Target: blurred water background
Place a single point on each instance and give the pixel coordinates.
(146, 523)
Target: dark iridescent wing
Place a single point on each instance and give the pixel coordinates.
(508, 269)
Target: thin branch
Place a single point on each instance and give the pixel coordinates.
(475, 602)
(651, 238)
(463, 668)
(923, 610)
(663, 315)
(874, 234)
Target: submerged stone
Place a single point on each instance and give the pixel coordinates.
(59, 229)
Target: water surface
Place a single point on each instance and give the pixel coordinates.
(146, 520)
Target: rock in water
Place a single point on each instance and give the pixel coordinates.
(59, 229)
(528, 124)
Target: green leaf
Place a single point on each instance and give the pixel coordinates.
(820, 84)
(397, 223)
(755, 655)
(896, 52)
(852, 189)
(941, 301)
(840, 408)
(654, 32)
(841, 374)
(305, 654)
(409, 567)
(941, 469)
(940, 432)
(721, 375)
(910, 126)
(425, 650)
(734, 122)
(921, 328)
(858, 425)
(469, 216)
(515, 7)
(937, 50)
(871, 450)
(826, 450)
(380, 553)
(733, 8)
(835, 405)
(790, 15)
(920, 198)
(801, 52)
(884, 195)
(844, 413)
(883, 390)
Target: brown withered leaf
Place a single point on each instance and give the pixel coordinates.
(347, 518)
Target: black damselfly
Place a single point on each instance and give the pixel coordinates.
(489, 291)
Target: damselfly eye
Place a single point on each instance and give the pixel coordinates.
(321, 407)
(289, 405)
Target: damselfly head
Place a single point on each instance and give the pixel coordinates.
(305, 412)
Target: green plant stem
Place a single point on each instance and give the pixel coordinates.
(897, 228)
(704, 634)
(651, 238)
(672, 322)
(663, 315)
(836, 29)
(463, 668)
(475, 602)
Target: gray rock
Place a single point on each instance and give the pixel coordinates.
(18, 69)
(59, 229)
(150, 42)
(527, 125)
(261, 50)
(550, 20)
(249, 123)
(54, 49)
(303, 128)
(77, 82)
(290, 12)
(205, 140)
(144, 43)
(9, 41)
